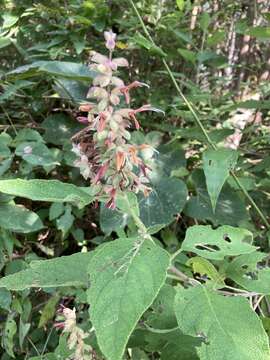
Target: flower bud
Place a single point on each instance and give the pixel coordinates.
(110, 38)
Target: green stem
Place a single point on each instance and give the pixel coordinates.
(160, 331)
(197, 119)
(140, 225)
(9, 120)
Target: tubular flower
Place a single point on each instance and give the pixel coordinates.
(104, 153)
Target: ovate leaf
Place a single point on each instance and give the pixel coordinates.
(217, 165)
(62, 271)
(8, 335)
(251, 272)
(167, 199)
(216, 244)
(36, 153)
(229, 327)
(230, 209)
(204, 267)
(19, 219)
(125, 276)
(180, 4)
(45, 190)
(145, 43)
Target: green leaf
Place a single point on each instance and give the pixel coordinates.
(9, 20)
(12, 89)
(217, 165)
(5, 299)
(8, 335)
(188, 55)
(4, 41)
(59, 129)
(128, 203)
(65, 222)
(56, 209)
(162, 314)
(231, 330)
(23, 331)
(216, 244)
(259, 32)
(111, 220)
(46, 190)
(62, 69)
(126, 276)
(48, 312)
(166, 200)
(66, 69)
(180, 4)
(249, 272)
(204, 267)
(25, 135)
(204, 20)
(51, 273)
(19, 219)
(36, 154)
(230, 209)
(145, 43)
(72, 90)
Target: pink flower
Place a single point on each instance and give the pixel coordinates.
(101, 172)
(82, 119)
(125, 89)
(110, 38)
(111, 204)
(110, 64)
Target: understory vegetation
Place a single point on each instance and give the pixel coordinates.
(134, 180)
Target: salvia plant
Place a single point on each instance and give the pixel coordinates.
(106, 156)
(171, 224)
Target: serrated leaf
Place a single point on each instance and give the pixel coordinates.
(250, 272)
(126, 276)
(217, 165)
(51, 273)
(46, 190)
(215, 244)
(229, 327)
(19, 219)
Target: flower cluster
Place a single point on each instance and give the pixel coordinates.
(76, 335)
(105, 155)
